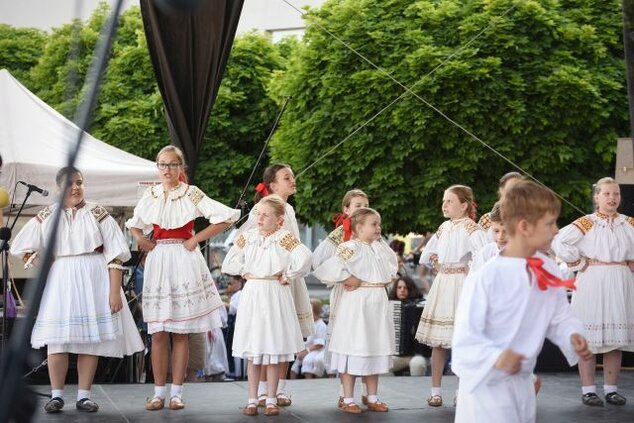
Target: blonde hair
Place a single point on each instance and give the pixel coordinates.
(316, 305)
(465, 195)
(360, 215)
(276, 203)
(181, 157)
(603, 181)
(528, 201)
(347, 198)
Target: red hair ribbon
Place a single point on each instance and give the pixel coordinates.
(262, 189)
(182, 177)
(545, 278)
(341, 219)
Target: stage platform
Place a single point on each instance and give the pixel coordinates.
(315, 401)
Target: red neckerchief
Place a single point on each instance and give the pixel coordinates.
(545, 278)
(341, 219)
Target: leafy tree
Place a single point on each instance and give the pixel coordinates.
(544, 86)
(20, 49)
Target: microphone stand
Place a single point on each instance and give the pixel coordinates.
(5, 237)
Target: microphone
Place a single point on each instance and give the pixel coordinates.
(43, 192)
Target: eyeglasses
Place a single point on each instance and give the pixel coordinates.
(164, 166)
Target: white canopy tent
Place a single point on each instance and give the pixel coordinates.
(34, 143)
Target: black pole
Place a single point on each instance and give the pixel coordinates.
(12, 388)
(628, 47)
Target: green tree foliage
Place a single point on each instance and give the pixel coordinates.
(20, 49)
(544, 86)
(130, 112)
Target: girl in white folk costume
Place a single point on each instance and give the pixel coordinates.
(506, 182)
(267, 332)
(352, 200)
(278, 179)
(450, 251)
(179, 295)
(600, 247)
(507, 309)
(362, 341)
(83, 309)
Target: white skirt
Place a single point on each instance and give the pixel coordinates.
(360, 366)
(364, 325)
(267, 330)
(75, 315)
(436, 323)
(179, 295)
(604, 302)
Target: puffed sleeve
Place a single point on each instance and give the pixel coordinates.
(212, 210)
(564, 246)
(334, 269)
(300, 257)
(323, 252)
(29, 239)
(390, 256)
(477, 239)
(233, 263)
(140, 210)
(114, 243)
(431, 248)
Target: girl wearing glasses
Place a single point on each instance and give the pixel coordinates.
(179, 295)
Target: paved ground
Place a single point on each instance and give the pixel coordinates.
(314, 401)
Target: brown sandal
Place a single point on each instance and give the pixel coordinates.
(250, 409)
(435, 401)
(378, 406)
(350, 408)
(154, 403)
(271, 410)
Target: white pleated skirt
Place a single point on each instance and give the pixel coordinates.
(437, 321)
(267, 330)
(179, 294)
(75, 315)
(604, 302)
(362, 341)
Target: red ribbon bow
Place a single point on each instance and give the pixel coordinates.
(545, 278)
(341, 219)
(262, 189)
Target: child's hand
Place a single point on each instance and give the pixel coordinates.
(282, 279)
(580, 345)
(630, 264)
(190, 244)
(510, 361)
(351, 283)
(116, 304)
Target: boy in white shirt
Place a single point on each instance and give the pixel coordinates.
(507, 309)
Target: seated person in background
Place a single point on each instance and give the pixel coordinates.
(234, 290)
(311, 361)
(404, 289)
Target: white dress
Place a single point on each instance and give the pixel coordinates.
(502, 307)
(299, 290)
(455, 243)
(179, 294)
(362, 341)
(325, 250)
(75, 314)
(604, 298)
(267, 330)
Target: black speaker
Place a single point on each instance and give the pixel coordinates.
(627, 199)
